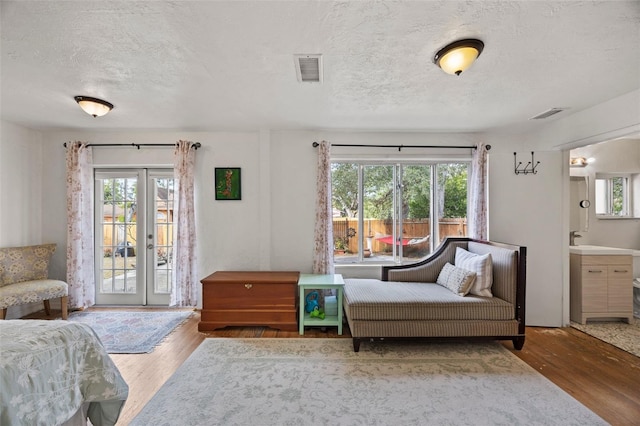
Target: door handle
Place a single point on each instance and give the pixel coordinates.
(149, 246)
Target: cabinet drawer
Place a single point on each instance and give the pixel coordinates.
(605, 260)
(248, 295)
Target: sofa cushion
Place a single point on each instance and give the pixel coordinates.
(456, 279)
(18, 264)
(376, 300)
(481, 265)
(31, 291)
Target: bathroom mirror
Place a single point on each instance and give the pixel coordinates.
(579, 203)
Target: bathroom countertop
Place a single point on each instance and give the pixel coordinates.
(599, 251)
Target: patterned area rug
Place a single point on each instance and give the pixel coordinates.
(620, 334)
(131, 332)
(322, 381)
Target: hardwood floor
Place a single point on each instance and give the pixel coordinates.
(600, 376)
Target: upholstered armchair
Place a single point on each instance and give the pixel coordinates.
(24, 278)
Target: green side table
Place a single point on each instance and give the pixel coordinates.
(320, 282)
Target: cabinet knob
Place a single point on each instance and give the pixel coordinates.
(620, 270)
(248, 286)
(592, 270)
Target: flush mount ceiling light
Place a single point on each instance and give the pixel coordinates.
(93, 106)
(456, 57)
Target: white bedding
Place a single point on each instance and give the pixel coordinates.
(49, 369)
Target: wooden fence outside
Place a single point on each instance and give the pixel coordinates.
(346, 229)
(164, 235)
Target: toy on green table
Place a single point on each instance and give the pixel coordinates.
(311, 301)
(317, 313)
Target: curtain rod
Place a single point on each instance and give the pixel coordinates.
(138, 145)
(488, 147)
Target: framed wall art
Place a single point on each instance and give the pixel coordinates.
(228, 183)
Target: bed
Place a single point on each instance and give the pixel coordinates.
(57, 373)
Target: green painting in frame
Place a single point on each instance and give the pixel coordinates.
(227, 181)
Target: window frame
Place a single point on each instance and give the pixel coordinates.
(627, 194)
(398, 164)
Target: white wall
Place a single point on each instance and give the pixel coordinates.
(20, 186)
(527, 210)
(22, 213)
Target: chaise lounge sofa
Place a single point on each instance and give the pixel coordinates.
(425, 299)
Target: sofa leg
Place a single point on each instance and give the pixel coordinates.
(356, 345)
(47, 307)
(63, 304)
(518, 342)
(3, 313)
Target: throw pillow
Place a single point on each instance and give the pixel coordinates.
(482, 265)
(456, 279)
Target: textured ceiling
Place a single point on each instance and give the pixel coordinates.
(226, 65)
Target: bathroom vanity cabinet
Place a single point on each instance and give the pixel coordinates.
(601, 286)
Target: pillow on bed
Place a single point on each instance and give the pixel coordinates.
(456, 279)
(482, 265)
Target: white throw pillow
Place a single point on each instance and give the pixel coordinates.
(482, 265)
(456, 279)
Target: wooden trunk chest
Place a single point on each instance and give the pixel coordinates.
(249, 298)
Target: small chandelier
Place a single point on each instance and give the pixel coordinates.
(93, 106)
(456, 57)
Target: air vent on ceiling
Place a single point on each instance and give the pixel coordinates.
(547, 113)
(309, 68)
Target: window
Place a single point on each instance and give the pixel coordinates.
(383, 210)
(613, 195)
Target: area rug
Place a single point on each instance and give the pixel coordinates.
(295, 381)
(131, 332)
(619, 334)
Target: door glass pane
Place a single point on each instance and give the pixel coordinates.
(451, 200)
(163, 225)
(416, 211)
(118, 242)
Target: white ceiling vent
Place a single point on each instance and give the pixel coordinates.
(308, 68)
(547, 113)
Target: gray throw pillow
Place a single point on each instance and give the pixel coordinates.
(456, 279)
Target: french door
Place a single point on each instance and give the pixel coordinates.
(134, 236)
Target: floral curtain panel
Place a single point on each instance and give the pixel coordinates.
(477, 210)
(184, 290)
(323, 248)
(80, 255)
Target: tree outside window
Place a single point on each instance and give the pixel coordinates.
(385, 209)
